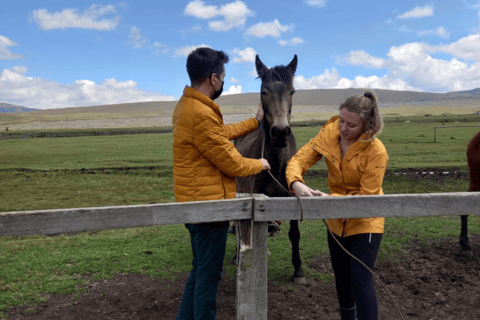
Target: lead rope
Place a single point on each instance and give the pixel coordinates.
(331, 233)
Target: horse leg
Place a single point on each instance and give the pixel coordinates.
(464, 244)
(294, 236)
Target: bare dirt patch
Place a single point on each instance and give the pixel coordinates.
(427, 282)
(415, 174)
(432, 174)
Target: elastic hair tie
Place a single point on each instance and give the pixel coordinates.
(367, 95)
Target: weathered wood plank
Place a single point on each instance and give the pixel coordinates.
(252, 267)
(398, 205)
(88, 219)
(252, 270)
(98, 218)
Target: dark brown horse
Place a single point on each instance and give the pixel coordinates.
(274, 141)
(473, 158)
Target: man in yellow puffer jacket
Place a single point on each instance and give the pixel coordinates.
(205, 164)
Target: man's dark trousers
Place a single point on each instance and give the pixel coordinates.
(199, 300)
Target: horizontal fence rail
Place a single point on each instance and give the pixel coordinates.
(23, 223)
(251, 214)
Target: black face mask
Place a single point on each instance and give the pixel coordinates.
(217, 94)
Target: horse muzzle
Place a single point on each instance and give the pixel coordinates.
(280, 137)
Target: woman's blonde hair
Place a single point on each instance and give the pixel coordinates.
(366, 106)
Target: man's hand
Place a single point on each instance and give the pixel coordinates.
(260, 114)
(302, 190)
(266, 165)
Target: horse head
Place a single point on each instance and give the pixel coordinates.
(276, 96)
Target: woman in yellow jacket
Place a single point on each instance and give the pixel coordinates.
(356, 162)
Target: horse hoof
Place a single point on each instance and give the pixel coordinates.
(273, 228)
(467, 253)
(300, 281)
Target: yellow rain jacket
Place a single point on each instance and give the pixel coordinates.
(205, 161)
(360, 172)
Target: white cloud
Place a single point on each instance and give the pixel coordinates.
(233, 80)
(247, 55)
(197, 8)
(5, 42)
(332, 80)
(185, 51)
(440, 31)
(20, 69)
(263, 29)
(384, 82)
(233, 90)
(5, 53)
(328, 79)
(413, 63)
(234, 14)
(195, 29)
(410, 66)
(160, 48)
(69, 18)
(316, 3)
(46, 94)
(418, 12)
(296, 41)
(467, 48)
(137, 40)
(361, 58)
(293, 42)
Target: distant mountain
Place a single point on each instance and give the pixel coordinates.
(314, 97)
(334, 97)
(9, 108)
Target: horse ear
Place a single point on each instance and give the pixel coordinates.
(292, 66)
(261, 68)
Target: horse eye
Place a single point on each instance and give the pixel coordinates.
(293, 91)
(263, 93)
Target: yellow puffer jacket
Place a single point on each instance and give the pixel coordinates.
(205, 161)
(360, 172)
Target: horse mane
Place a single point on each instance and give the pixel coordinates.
(278, 73)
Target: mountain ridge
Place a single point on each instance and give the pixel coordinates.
(313, 97)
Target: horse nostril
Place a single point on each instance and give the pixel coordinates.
(274, 132)
(282, 134)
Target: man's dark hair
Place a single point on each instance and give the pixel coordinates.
(203, 62)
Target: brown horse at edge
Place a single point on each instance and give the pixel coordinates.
(473, 158)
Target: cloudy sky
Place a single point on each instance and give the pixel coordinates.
(56, 54)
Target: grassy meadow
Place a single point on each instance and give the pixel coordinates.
(105, 170)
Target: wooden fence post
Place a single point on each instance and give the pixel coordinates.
(252, 269)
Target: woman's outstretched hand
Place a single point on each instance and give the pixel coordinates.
(302, 190)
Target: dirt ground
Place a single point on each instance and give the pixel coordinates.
(434, 282)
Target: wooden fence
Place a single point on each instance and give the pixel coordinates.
(252, 214)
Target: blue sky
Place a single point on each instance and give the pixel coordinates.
(56, 54)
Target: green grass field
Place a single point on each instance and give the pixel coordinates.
(47, 173)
